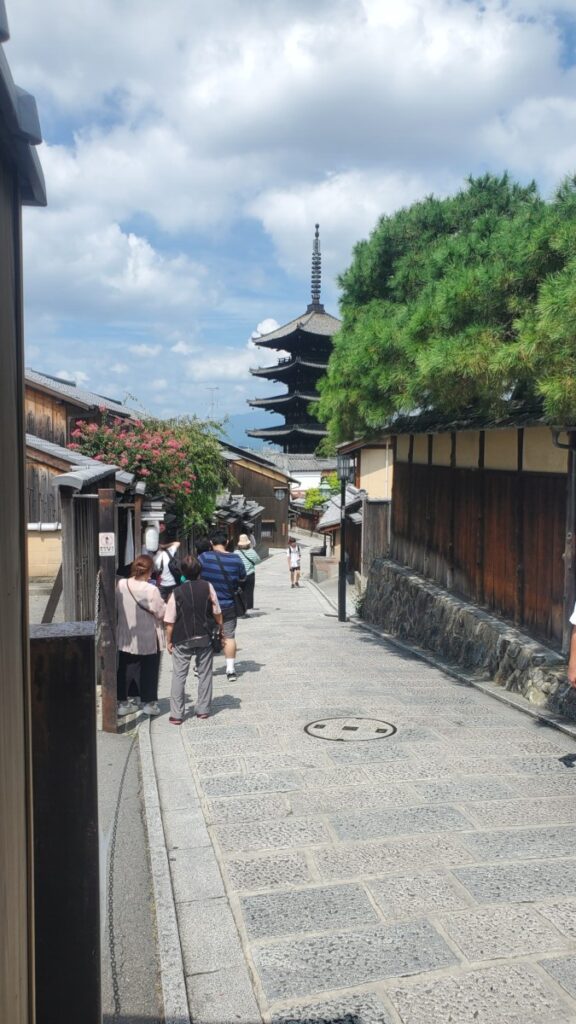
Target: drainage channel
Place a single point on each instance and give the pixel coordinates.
(350, 730)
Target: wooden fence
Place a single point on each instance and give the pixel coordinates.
(495, 537)
(375, 532)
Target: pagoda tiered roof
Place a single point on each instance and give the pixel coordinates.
(308, 340)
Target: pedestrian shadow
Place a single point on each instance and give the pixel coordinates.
(225, 702)
(243, 667)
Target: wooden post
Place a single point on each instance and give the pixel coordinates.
(138, 502)
(429, 516)
(569, 549)
(68, 555)
(519, 532)
(65, 814)
(481, 502)
(54, 599)
(107, 605)
(450, 572)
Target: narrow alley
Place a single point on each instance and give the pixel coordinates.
(340, 871)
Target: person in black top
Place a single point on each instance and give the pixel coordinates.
(190, 614)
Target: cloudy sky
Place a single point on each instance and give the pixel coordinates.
(191, 146)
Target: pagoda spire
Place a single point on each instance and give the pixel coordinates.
(316, 306)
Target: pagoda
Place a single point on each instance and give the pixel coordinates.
(308, 340)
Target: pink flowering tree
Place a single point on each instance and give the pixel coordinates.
(180, 460)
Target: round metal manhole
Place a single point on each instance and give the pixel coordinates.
(349, 730)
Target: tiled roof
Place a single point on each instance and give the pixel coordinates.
(71, 457)
(296, 463)
(312, 323)
(67, 389)
(331, 515)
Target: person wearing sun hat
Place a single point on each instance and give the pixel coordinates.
(250, 559)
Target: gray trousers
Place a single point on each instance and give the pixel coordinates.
(181, 655)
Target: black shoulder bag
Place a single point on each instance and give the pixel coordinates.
(236, 595)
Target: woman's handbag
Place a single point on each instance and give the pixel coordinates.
(236, 595)
(216, 639)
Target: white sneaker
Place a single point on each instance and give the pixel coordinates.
(125, 708)
(135, 701)
(152, 708)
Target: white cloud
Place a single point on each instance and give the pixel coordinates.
(145, 351)
(119, 368)
(75, 377)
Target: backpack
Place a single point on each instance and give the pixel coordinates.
(174, 568)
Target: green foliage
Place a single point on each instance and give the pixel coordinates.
(314, 496)
(458, 304)
(180, 460)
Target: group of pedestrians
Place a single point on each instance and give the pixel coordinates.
(188, 607)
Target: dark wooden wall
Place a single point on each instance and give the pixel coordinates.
(16, 968)
(255, 485)
(495, 537)
(375, 532)
(42, 499)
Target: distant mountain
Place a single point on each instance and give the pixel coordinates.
(236, 427)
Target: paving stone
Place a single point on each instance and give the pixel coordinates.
(414, 734)
(327, 962)
(178, 795)
(327, 801)
(535, 766)
(549, 784)
(360, 859)
(362, 1009)
(323, 778)
(218, 765)
(495, 995)
(367, 752)
(307, 910)
(266, 834)
(195, 874)
(523, 812)
(371, 824)
(248, 808)
(521, 844)
(267, 782)
(406, 896)
(563, 970)
(495, 932)
(208, 936)
(205, 732)
(268, 872)
(461, 790)
(561, 915)
(274, 762)
(519, 883)
(405, 771)
(222, 997)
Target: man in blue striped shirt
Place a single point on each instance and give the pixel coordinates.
(225, 571)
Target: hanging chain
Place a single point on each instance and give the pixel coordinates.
(110, 892)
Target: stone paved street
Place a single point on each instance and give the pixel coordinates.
(425, 877)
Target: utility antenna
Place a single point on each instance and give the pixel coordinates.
(213, 400)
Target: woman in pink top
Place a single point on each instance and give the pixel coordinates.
(140, 634)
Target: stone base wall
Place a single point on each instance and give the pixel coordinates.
(419, 612)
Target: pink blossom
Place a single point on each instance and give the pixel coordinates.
(92, 428)
(144, 472)
(73, 446)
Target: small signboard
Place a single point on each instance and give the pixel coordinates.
(106, 544)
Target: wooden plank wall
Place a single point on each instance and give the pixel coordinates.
(495, 537)
(258, 487)
(43, 502)
(375, 532)
(46, 417)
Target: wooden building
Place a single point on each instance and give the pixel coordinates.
(261, 481)
(21, 183)
(53, 405)
(488, 510)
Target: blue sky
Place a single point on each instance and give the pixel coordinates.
(190, 148)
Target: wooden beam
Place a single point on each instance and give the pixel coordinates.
(106, 589)
(55, 595)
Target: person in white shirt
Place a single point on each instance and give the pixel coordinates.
(293, 552)
(140, 635)
(167, 581)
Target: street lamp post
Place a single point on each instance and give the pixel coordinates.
(344, 468)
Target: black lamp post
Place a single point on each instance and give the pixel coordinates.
(344, 469)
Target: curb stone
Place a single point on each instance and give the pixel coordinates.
(176, 1010)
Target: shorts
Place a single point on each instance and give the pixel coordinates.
(295, 568)
(229, 625)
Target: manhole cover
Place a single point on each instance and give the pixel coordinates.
(350, 729)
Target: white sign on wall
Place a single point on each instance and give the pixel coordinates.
(106, 544)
